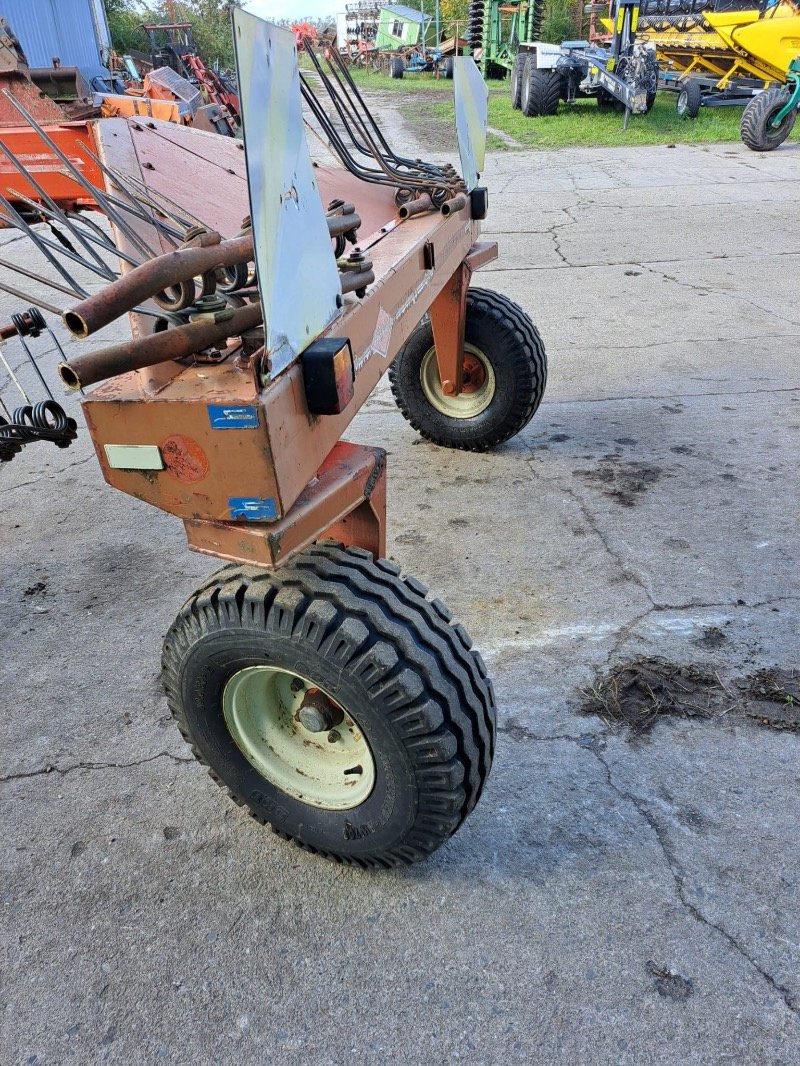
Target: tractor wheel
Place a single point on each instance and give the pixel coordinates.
(756, 131)
(448, 68)
(335, 701)
(517, 72)
(541, 91)
(396, 67)
(505, 371)
(690, 99)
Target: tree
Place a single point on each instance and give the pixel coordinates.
(559, 22)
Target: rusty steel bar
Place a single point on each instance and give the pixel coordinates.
(176, 343)
(353, 281)
(31, 299)
(151, 278)
(416, 207)
(456, 203)
(338, 225)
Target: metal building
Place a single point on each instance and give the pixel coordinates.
(74, 30)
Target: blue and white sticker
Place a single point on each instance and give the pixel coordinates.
(228, 416)
(253, 508)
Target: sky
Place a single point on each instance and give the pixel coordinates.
(294, 9)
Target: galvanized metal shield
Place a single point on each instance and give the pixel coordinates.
(297, 275)
(472, 114)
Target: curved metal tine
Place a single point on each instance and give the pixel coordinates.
(325, 81)
(341, 101)
(136, 209)
(147, 195)
(416, 163)
(392, 177)
(100, 238)
(96, 193)
(371, 151)
(108, 272)
(18, 222)
(167, 232)
(35, 366)
(349, 163)
(17, 269)
(55, 210)
(14, 378)
(30, 299)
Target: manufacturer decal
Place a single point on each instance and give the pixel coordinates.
(228, 416)
(253, 508)
(385, 323)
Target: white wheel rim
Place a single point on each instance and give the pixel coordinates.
(332, 769)
(470, 402)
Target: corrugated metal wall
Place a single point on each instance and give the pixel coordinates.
(47, 28)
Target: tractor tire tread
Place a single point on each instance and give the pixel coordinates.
(754, 129)
(530, 365)
(440, 701)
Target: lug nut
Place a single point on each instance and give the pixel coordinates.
(312, 719)
(317, 713)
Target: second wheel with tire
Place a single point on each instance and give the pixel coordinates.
(757, 128)
(690, 98)
(541, 90)
(505, 372)
(336, 701)
(517, 72)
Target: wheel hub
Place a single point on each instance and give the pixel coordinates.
(298, 737)
(477, 390)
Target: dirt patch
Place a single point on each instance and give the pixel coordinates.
(669, 983)
(624, 483)
(773, 698)
(638, 693)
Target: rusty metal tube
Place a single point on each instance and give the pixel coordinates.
(352, 280)
(176, 343)
(416, 207)
(338, 225)
(151, 278)
(455, 204)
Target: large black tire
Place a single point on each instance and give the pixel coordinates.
(541, 91)
(517, 72)
(510, 364)
(690, 98)
(396, 67)
(755, 129)
(448, 68)
(373, 642)
(652, 80)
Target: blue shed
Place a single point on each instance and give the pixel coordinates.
(74, 30)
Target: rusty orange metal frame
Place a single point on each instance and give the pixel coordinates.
(48, 170)
(345, 502)
(273, 478)
(448, 314)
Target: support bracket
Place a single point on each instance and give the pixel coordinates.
(448, 317)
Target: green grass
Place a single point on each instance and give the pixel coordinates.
(583, 124)
(409, 83)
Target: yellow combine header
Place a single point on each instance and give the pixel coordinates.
(721, 52)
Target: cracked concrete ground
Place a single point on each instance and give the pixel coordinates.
(608, 901)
